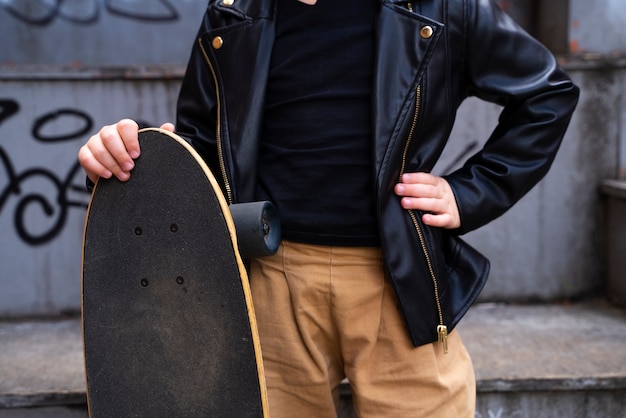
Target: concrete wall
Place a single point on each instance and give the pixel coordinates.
(55, 91)
(597, 26)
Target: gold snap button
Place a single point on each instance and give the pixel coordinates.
(228, 2)
(217, 42)
(426, 32)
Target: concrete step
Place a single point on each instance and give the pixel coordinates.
(548, 361)
(538, 361)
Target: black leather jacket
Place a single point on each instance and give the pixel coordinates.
(430, 55)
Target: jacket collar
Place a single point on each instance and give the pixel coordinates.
(248, 8)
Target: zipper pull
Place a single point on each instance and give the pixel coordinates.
(409, 6)
(442, 333)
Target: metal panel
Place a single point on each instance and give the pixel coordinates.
(98, 32)
(615, 210)
(621, 105)
(522, 11)
(553, 24)
(598, 26)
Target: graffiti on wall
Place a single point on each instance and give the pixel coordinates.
(59, 185)
(44, 12)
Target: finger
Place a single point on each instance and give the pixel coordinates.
(122, 143)
(127, 130)
(420, 185)
(437, 206)
(93, 168)
(168, 127)
(441, 221)
(102, 159)
(109, 149)
(437, 213)
(417, 190)
(420, 178)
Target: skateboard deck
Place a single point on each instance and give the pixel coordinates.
(168, 322)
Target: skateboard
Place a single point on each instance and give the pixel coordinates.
(168, 321)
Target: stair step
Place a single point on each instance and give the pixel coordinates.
(42, 363)
(545, 361)
(565, 360)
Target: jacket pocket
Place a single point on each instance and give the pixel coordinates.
(467, 271)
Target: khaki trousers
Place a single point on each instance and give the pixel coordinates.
(327, 313)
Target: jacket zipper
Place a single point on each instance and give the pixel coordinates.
(442, 329)
(218, 128)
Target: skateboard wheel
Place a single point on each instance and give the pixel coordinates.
(258, 228)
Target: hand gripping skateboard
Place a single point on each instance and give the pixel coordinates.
(168, 322)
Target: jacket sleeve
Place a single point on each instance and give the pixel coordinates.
(505, 65)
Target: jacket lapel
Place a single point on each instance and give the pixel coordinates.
(239, 49)
(405, 43)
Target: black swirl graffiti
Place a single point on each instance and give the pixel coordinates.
(52, 116)
(62, 203)
(44, 12)
(7, 109)
(55, 209)
(171, 14)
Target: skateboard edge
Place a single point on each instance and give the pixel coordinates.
(82, 292)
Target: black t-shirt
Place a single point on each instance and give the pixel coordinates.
(316, 159)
